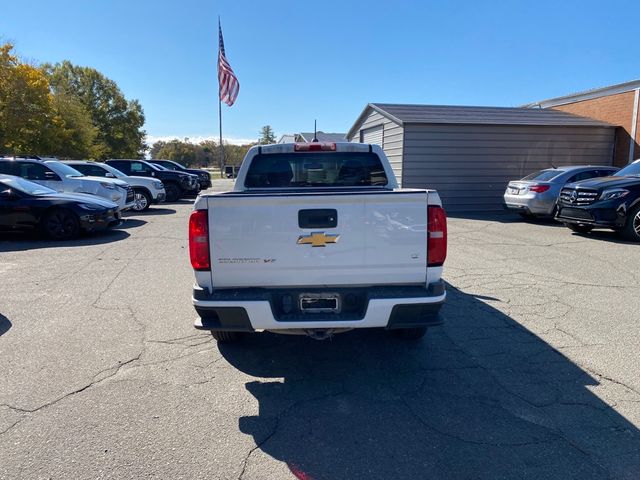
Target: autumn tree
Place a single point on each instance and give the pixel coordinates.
(27, 117)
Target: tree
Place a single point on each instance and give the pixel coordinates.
(28, 121)
(118, 121)
(209, 153)
(76, 135)
(178, 151)
(205, 153)
(155, 148)
(267, 135)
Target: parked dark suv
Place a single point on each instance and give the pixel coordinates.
(203, 176)
(176, 184)
(607, 202)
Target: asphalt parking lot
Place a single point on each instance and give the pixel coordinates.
(534, 374)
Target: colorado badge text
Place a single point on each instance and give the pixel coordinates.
(317, 239)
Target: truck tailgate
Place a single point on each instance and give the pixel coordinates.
(263, 239)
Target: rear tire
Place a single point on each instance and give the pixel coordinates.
(173, 192)
(61, 224)
(578, 228)
(411, 333)
(141, 200)
(223, 336)
(631, 229)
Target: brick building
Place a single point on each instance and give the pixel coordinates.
(616, 104)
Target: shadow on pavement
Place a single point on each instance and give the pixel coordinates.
(15, 242)
(5, 325)
(152, 211)
(504, 217)
(129, 222)
(479, 398)
(605, 236)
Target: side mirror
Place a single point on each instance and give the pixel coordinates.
(110, 175)
(8, 194)
(51, 176)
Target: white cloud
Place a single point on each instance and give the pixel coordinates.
(151, 139)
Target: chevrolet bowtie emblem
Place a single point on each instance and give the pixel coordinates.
(317, 239)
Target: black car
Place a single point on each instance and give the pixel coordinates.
(204, 177)
(195, 178)
(29, 206)
(607, 202)
(176, 184)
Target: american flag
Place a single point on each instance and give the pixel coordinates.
(227, 80)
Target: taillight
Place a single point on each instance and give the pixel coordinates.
(315, 147)
(539, 188)
(199, 240)
(436, 236)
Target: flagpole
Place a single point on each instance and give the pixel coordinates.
(221, 145)
(220, 110)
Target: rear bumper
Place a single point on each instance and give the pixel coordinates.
(92, 222)
(529, 204)
(252, 309)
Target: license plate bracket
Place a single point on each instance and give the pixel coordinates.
(320, 303)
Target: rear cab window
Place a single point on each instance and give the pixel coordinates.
(315, 170)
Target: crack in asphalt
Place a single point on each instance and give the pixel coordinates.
(115, 369)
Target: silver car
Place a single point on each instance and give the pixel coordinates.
(536, 194)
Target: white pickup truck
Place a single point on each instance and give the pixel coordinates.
(317, 239)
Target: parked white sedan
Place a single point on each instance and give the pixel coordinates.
(146, 190)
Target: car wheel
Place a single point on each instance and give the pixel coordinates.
(141, 200)
(223, 336)
(61, 224)
(410, 333)
(578, 228)
(631, 229)
(173, 192)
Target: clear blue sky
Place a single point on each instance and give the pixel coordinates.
(297, 61)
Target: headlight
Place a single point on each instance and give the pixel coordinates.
(89, 206)
(108, 186)
(613, 193)
(158, 185)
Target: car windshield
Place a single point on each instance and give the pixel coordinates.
(63, 169)
(25, 186)
(632, 170)
(295, 170)
(544, 175)
(117, 173)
